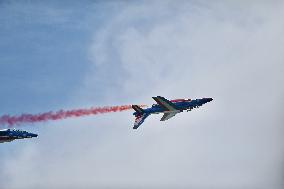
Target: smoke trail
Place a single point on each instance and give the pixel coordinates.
(8, 120)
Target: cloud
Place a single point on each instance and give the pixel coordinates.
(229, 51)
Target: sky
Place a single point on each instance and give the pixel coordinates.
(63, 55)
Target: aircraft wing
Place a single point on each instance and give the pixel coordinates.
(166, 104)
(167, 116)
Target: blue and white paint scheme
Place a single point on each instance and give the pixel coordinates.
(8, 135)
(169, 107)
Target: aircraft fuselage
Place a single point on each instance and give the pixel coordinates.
(8, 135)
(180, 105)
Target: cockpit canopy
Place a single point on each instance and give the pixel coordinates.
(181, 100)
(14, 130)
(5, 130)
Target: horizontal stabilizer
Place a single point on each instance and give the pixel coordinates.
(138, 109)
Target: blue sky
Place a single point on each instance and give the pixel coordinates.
(44, 51)
(42, 59)
(57, 55)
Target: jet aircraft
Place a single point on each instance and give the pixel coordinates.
(8, 135)
(169, 107)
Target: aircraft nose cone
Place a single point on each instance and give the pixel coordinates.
(33, 135)
(208, 99)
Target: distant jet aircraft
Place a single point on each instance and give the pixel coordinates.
(169, 107)
(8, 135)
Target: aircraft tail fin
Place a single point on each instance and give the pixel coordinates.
(139, 119)
(138, 109)
(140, 116)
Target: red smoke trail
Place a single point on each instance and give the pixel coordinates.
(61, 114)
